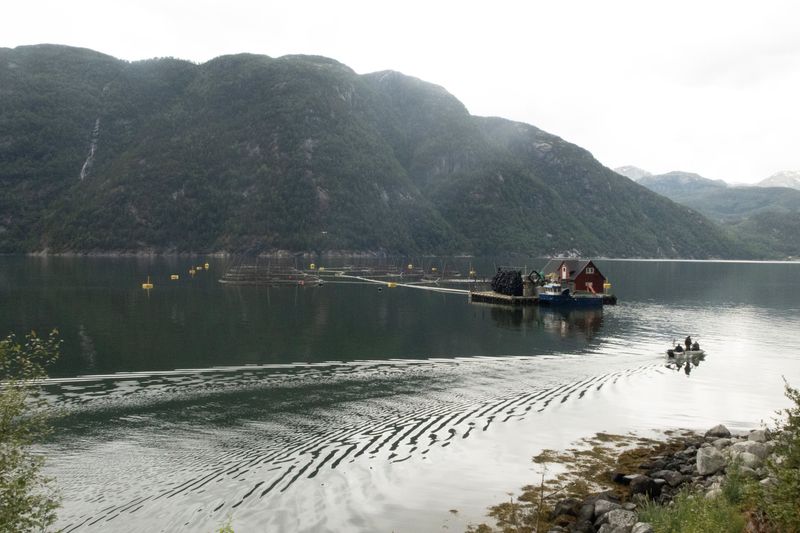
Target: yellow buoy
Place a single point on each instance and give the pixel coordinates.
(391, 284)
(472, 273)
(205, 266)
(410, 266)
(607, 286)
(199, 267)
(434, 269)
(147, 285)
(174, 277)
(312, 266)
(192, 271)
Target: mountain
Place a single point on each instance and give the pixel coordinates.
(634, 173)
(786, 178)
(247, 153)
(771, 233)
(680, 185)
(766, 219)
(719, 201)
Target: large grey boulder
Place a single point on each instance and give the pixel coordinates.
(721, 443)
(642, 527)
(758, 449)
(758, 435)
(601, 507)
(621, 518)
(747, 460)
(641, 484)
(586, 514)
(618, 519)
(670, 476)
(710, 461)
(719, 431)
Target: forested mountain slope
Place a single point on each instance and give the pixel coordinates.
(249, 153)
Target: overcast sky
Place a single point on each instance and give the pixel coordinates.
(711, 87)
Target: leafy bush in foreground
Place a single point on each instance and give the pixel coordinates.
(27, 499)
(779, 500)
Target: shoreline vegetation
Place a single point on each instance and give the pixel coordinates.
(29, 500)
(714, 482)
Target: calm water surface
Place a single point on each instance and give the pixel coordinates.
(345, 408)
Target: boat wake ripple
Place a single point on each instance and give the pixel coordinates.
(274, 427)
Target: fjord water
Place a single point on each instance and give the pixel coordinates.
(345, 408)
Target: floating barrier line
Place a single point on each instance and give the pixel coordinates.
(409, 285)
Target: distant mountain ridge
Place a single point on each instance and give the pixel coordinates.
(786, 178)
(247, 153)
(679, 184)
(765, 217)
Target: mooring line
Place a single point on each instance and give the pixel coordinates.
(408, 285)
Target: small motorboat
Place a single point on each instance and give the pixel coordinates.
(674, 354)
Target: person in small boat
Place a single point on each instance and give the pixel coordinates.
(696, 347)
(678, 348)
(688, 343)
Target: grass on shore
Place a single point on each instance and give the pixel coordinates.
(692, 512)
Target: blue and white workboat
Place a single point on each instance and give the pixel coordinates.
(553, 294)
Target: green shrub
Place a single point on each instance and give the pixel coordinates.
(779, 501)
(27, 499)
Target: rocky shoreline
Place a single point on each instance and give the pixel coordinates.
(700, 463)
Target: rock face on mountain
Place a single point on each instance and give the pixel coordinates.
(786, 178)
(632, 172)
(248, 153)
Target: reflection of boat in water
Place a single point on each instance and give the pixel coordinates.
(552, 294)
(564, 321)
(567, 319)
(686, 360)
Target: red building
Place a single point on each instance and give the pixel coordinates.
(578, 275)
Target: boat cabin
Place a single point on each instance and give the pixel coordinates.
(577, 275)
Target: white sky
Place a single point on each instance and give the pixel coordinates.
(711, 87)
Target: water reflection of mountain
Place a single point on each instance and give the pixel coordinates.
(565, 322)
